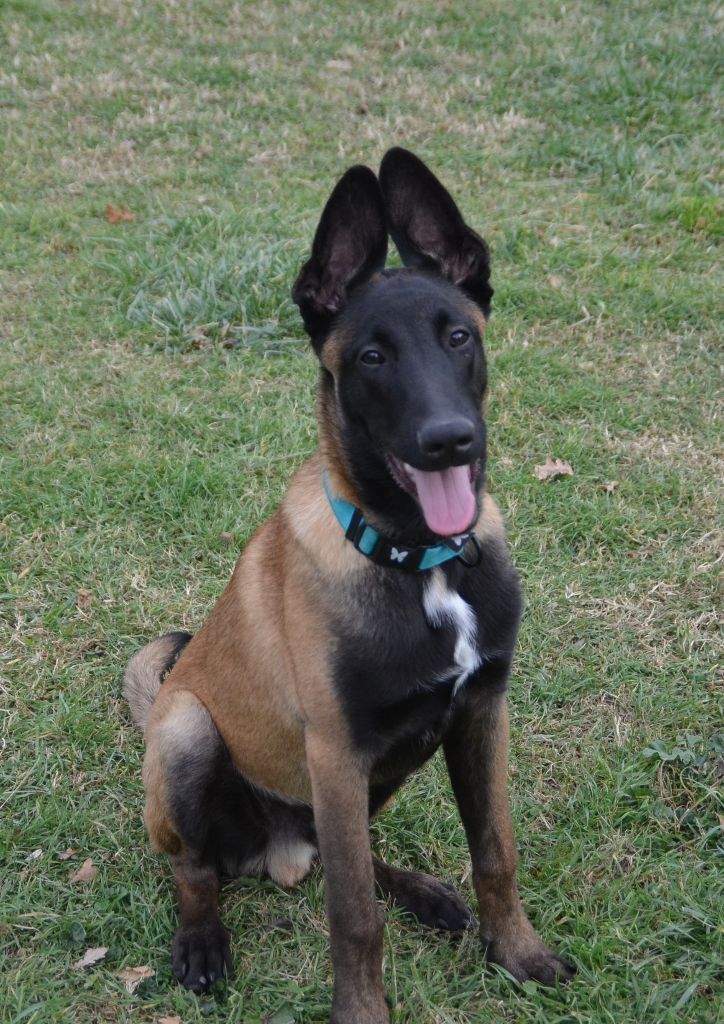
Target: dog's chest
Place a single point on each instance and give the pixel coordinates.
(412, 645)
(445, 608)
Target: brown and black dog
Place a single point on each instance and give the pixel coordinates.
(369, 621)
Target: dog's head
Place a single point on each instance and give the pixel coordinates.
(403, 369)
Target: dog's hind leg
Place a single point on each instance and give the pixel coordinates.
(214, 823)
(200, 953)
(435, 904)
(181, 772)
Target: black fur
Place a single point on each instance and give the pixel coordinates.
(180, 638)
(226, 819)
(408, 317)
(399, 717)
(428, 229)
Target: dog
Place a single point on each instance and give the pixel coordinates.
(369, 621)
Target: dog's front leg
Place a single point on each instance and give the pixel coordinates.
(476, 750)
(340, 793)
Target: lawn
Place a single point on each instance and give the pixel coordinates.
(157, 392)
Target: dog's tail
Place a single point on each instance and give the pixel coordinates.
(146, 670)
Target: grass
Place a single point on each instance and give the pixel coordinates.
(157, 392)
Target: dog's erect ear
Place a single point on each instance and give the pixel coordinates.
(349, 246)
(428, 229)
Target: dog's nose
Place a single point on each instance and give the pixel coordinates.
(446, 438)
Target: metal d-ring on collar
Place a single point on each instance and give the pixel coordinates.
(370, 543)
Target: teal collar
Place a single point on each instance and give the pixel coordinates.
(374, 546)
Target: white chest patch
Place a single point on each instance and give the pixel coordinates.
(445, 607)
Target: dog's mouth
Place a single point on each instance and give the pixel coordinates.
(446, 496)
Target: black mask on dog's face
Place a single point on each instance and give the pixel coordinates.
(403, 348)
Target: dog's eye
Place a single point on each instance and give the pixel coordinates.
(459, 337)
(372, 357)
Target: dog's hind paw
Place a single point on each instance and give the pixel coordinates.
(201, 955)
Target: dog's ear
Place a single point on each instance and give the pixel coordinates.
(349, 246)
(428, 229)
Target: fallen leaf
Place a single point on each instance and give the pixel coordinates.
(555, 281)
(169, 1020)
(226, 537)
(610, 486)
(84, 599)
(133, 976)
(35, 855)
(67, 854)
(90, 957)
(552, 469)
(85, 873)
(116, 214)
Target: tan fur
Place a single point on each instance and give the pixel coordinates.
(490, 525)
(287, 862)
(143, 676)
(479, 317)
(331, 355)
(340, 784)
(157, 815)
(312, 523)
(178, 722)
(253, 665)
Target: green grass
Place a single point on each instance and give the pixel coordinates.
(157, 392)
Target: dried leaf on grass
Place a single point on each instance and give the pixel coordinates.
(84, 599)
(610, 486)
(169, 1020)
(85, 873)
(116, 214)
(552, 469)
(90, 957)
(133, 976)
(67, 853)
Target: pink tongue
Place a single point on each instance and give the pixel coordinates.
(447, 499)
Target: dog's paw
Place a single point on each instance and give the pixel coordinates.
(201, 955)
(531, 961)
(435, 904)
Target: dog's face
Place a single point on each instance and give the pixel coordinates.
(401, 350)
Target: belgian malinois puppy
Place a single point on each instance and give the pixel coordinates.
(369, 621)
